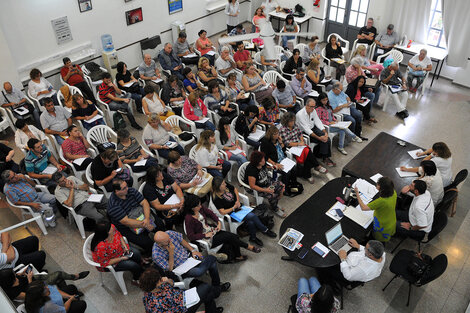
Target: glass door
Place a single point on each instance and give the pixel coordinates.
(346, 17)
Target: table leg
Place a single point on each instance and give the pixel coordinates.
(434, 74)
(287, 258)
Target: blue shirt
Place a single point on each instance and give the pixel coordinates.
(37, 164)
(285, 97)
(120, 208)
(56, 304)
(336, 100)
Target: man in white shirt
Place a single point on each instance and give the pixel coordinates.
(225, 64)
(308, 122)
(24, 251)
(418, 66)
(270, 5)
(417, 222)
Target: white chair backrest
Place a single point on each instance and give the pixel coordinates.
(192, 153)
(278, 50)
(141, 188)
(174, 120)
(258, 57)
(272, 77)
(396, 55)
(341, 39)
(88, 176)
(241, 174)
(281, 66)
(100, 134)
(21, 308)
(301, 47)
(87, 251)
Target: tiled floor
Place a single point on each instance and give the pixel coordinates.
(265, 283)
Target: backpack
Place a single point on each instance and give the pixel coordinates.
(267, 218)
(293, 188)
(419, 265)
(96, 72)
(119, 121)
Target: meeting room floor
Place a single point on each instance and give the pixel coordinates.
(265, 283)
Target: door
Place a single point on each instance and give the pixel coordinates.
(346, 17)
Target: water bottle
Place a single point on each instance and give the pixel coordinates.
(347, 194)
(409, 43)
(107, 42)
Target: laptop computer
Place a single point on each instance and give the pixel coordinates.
(336, 240)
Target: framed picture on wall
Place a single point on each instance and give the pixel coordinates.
(134, 16)
(84, 5)
(175, 6)
(127, 0)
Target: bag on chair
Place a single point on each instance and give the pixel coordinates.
(419, 265)
(263, 212)
(118, 120)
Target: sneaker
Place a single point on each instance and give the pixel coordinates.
(342, 150)
(225, 287)
(219, 309)
(406, 113)
(319, 170)
(51, 224)
(256, 241)
(311, 180)
(270, 233)
(357, 139)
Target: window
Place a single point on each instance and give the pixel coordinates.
(337, 9)
(358, 13)
(435, 31)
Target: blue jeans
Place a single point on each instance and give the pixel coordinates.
(254, 144)
(225, 168)
(342, 133)
(209, 263)
(132, 265)
(253, 223)
(377, 95)
(240, 158)
(150, 162)
(206, 125)
(138, 100)
(49, 199)
(285, 39)
(164, 152)
(356, 120)
(308, 286)
(122, 106)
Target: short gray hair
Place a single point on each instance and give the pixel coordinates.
(6, 176)
(336, 84)
(224, 48)
(309, 100)
(376, 248)
(57, 176)
(425, 51)
(357, 61)
(168, 43)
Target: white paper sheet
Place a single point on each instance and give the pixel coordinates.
(129, 84)
(173, 200)
(191, 297)
(363, 104)
(94, 118)
(191, 55)
(211, 53)
(367, 191)
(338, 60)
(186, 266)
(141, 162)
(49, 170)
(406, 174)
(376, 177)
(171, 144)
(363, 218)
(95, 198)
(236, 151)
(288, 164)
(412, 154)
(320, 246)
(341, 125)
(21, 110)
(257, 135)
(202, 183)
(313, 93)
(79, 161)
(158, 80)
(205, 119)
(297, 150)
(332, 211)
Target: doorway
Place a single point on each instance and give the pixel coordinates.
(346, 17)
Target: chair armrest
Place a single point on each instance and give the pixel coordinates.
(92, 152)
(244, 199)
(338, 116)
(43, 188)
(223, 155)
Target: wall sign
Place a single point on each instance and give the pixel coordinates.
(62, 30)
(175, 6)
(85, 5)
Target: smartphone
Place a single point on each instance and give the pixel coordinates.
(303, 252)
(119, 169)
(339, 212)
(29, 269)
(318, 250)
(129, 254)
(76, 296)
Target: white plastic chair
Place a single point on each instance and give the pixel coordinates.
(272, 77)
(77, 217)
(241, 177)
(76, 173)
(87, 255)
(175, 120)
(341, 40)
(239, 137)
(294, 41)
(233, 224)
(155, 155)
(60, 97)
(281, 67)
(225, 156)
(99, 134)
(106, 109)
(91, 182)
(7, 122)
(35, 101)
(396, 55)
(194, 129)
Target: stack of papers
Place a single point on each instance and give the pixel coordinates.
(366, 101)
(257, 135)
(203, 120)
(332, 211)
(211, 52)
(21, 110)
(94, 118)
(363, 218)
(141, 162)
(49, 170)
(367, 191)
(288, 164)
(158, 80)
(313, 93)
(186, 266)
(320, 249)
(79, 161)
(376, 177)
(95, 198)
(341, 125)
(191, 297)
(236, 151)
(172, 200)
(203, 182)
(290, 239)
(412, 153)
(240, 215)
(406, 174)
(297, 150)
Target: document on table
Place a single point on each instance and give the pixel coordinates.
(240, 215)
(236, 151)
(367, 191)
(412, 153)
(341, 125)
(186, 266)
(190, 297)
(158, 80)
(288, 164)
(191, 55)
(202, 183)
(95, 198)
(79, 161)
(290, 239)
(211, 52)
(141, 162)
(94, 118)
(366, 101)
(320, 249)
(257, 135)
(376, 177)
(332, 211)
(49, 170)
(363, 218)
(406, 174)
(297, 150)
(313, 93)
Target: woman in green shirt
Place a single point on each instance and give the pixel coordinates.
(384, 209)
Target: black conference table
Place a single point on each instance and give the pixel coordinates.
(310, 219)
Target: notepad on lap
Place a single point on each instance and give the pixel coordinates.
(49, 170)
(341, 125)
(172, 200)
(158, 80)
(141, 162)
(191, 297)
(257, 135)
(191, 55)
(288, 164)
(204, 180)
(79, 161)
(95, 198)
(94, 118)
(406, 174)
(366, 101)
(186, 266)
(240, 215)
(297, 150)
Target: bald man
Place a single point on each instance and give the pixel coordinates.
(15, 99)
(149, 72)
(170, 250)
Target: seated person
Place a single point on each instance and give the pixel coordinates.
(228, 142)
(170, 250)
(256, 176)
(130, 212)
(84, 110)
(373, 67)
(225, 64)
(341, 104)
(152, 103)
(191, 83)
(270, 64)
(173, 94)
(40, 297)
(19, 190)
(37, 159)
(242, 57)
(384, 209)
(300, 84)
(198, 227)
(285, 97)
(417, 68)
(315, 75)
(130, 152)
(72, 74)
(207, 72)
(6, 160)
(40, 88)
(157, 138)
(358, 93)
(107, 92)
(183, 170)
(325, 114)
(312, 51)
(291, 136)
(270, 113)
(313, 297)
(259, 17)
(226, 200)
(195, 110)
(123, 78)
(16, 284)
(245, 124)
(290, 26)
(15, 99)
(76, 147)
(183, 49)
(24, 132)
(158, 189)
(207, 155)
(392, 76)
(355, 69)
(333, 50)
(216, 100)
(432, 177)
(158, 290)
(309, 123)
(386, 41)
(367, 33)
(417, 221)
(293, 63)
(236, 94)
(363, 265)
(204, 45)
(149, 72)
(108, 247)
(55, 120)
(74, 193)
(253, 82)
(23, 251)
(170, 61)
(107, 166)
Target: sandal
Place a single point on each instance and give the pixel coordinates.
(255, 249)
(280, 213)
(373, 120)
(240, 259)
(321, 169)
(329, 162)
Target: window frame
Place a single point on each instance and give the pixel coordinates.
(433, 12)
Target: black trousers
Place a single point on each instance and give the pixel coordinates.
(309, 163)
(142, 240)
(231, 243)
(188, 61)
(331, 275)
(28, 252)
(322, 149)
(207, 294)
(82, 166)
(85, 89)
(77, 306)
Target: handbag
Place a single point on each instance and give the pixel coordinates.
(138, 214)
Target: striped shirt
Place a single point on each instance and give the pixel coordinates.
(104, 90)
(4, 259)
(37, 163)
(20, 191)
(73, 147)
(160, 255)
(120, 208)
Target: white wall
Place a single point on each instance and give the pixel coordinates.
(8, 71)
